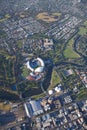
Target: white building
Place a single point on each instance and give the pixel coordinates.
(36, 66)
(33, 108)
(48, 44)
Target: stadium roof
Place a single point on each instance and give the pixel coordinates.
(34, 66)
(39, 70)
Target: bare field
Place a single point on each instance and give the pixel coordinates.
(5, 107)
(44, 16)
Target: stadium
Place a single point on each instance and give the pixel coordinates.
(36, 66)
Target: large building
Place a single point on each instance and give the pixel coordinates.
(36, 66)
(48, 44)
(33, 108)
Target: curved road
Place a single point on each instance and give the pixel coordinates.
(67, 62)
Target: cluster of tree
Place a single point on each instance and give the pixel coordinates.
(5, 95)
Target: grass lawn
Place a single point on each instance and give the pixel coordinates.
(69, 52)
(7, 16)
(5, 107)
(82, 95)
(82, 31)
(25, 71)
(57, 14)
(19, 43)
(55, 79)
(39, 96)
(85, 23)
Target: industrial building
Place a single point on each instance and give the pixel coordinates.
(33, 108)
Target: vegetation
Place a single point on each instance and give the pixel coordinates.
(7, 16)
(31, 89)
(39, 96)
(25, 71)
(7, 74)
(39, 36)
(69, 52)
(56, 54)
(85, 23)
(82, 94)
(8, 95)
(82, 46)
(7, 77)
(69, 81)
(19, 43)
(2, 34)
(83, 29)
(55, 79)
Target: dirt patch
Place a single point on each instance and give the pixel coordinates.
(44, 16)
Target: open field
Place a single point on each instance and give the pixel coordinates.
(85, 23)
(48, 17)
(82, 94)
(39, 96)
(83, 30)
(55, 79)
(5, 107)
(69, 52)
(7, 73)
(19, 43)
(25, 71)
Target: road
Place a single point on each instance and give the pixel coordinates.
(13, 125)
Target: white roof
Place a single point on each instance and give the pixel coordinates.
(33, 108)
(29, 67)
(26, 109)
(39, 69)
(35, 105)
(50, 92)
(32, 74)
(41, 62)
(57, 89)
